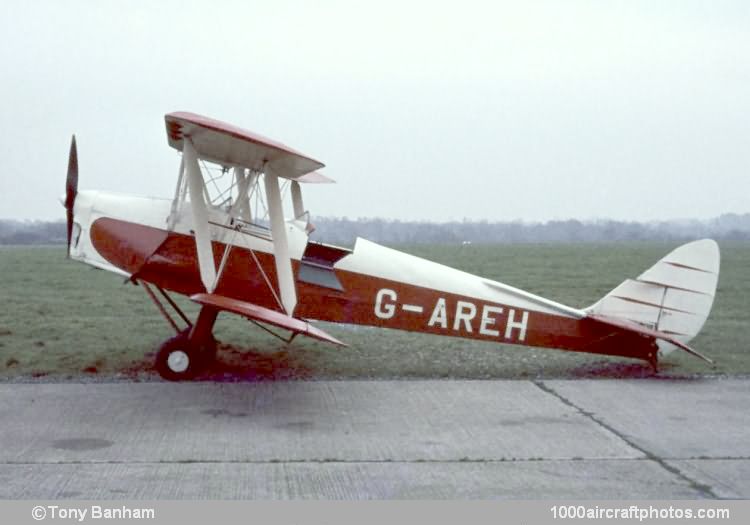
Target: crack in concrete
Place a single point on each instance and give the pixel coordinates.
(272, 461)
(705, 490)
(313, 460)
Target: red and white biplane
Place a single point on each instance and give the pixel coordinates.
(224, 242)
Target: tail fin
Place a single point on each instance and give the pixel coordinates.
(673, 297)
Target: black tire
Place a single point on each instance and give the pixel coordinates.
(178, 360)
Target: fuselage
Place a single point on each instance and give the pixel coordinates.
(147, 239)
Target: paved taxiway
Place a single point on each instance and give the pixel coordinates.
(608, 439)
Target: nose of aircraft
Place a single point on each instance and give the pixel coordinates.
(79, 219)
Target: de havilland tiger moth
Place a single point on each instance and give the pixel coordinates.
(223, 241)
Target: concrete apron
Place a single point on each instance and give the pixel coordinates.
(376, 439)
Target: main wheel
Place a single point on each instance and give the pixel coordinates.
(178, 359)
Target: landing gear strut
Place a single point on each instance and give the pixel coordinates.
(193, 349)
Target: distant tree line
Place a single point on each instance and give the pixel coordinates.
(345, 231)
(342, 230)
(32, 232)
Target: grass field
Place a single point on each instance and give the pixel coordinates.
(65, 321)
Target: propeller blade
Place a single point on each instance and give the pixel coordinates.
(71, 187)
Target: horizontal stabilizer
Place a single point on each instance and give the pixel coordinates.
(264, 315)
(648, 332)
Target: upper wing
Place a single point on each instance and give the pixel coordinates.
(226, 144)
(315, 177)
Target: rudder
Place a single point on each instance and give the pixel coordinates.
(673, 297)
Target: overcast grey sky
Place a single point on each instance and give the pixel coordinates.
(421, 110)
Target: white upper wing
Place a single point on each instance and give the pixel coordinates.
(226, 144)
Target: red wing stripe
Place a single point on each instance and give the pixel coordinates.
(681, 265)
(672, 332)
(673, 287)
(637, 301)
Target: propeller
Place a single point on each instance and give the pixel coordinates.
(71, 187)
